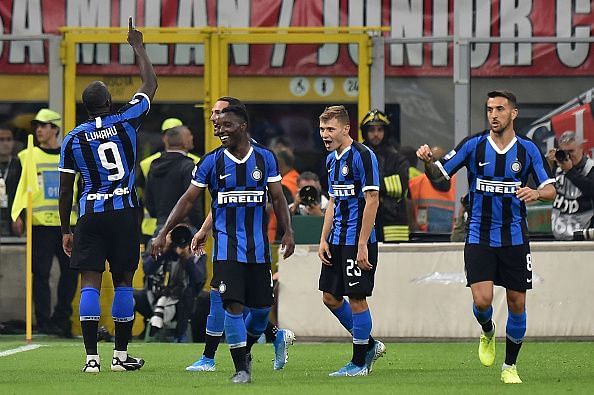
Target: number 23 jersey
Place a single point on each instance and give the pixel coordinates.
(103, 151)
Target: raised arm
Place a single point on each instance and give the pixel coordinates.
(147, 74)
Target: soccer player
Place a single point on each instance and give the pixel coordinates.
(103, 151)
(283, 338)
(348, 247)
(239, 175)
(499, 163)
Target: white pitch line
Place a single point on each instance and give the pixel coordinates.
(28, 347)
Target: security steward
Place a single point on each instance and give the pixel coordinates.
(46, 234)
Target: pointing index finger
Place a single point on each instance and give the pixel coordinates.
(130, 26)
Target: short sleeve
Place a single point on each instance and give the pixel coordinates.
(136, 109)
(329, 169)
(202, 171)
(272, 171)
(456, 158)
(67, 163)
(369, 171)
(540, 170)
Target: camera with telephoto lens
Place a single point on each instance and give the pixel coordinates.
(181, 236)
(309, 195)
(584, 235)
(561, 155)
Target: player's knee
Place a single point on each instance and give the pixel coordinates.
(233, 307)
(331, 301)
(122, 279)
(358, 303)
(482, 301)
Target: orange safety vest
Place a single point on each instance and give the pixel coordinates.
(433, 211)
(289, 181)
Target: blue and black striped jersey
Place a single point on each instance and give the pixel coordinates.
(239, 194)
(350, 174)
(103, 151)
(497, 218)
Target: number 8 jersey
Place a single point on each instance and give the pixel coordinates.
(103, 151)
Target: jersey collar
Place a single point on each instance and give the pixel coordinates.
(502, 151)
(238, 161)
(344, 151)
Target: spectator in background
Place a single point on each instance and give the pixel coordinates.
(46, 233)
(168, 178)
(433, 203)
(149, 224)
(10, 172)
(459, 231)
(573, 207)
(410, 154)
(391, 220)
(309, 199)
(286, 163)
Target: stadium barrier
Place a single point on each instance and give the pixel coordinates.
(420, 292)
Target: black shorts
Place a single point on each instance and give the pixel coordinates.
(112, 235)
(344, 278)
(509, 267)
(247, 283)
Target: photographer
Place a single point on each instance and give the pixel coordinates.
(173, 281)
(309, 199)
(573, 207)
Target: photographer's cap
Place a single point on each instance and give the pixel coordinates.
(170, 123)
(181, 236)
(45, 115)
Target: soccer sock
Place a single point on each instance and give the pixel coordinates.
(484, 318)
(255, 325)
(236, 338)
(344, 315)
(215, 324)
(361, 331)
(90, 312)
(122, 311)
(515, 331)
(270, 332)
(371, 343)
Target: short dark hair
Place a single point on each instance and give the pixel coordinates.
(240, 111)
(4, 126)
(95, 96)
(308, 175)
(174, 135)
(504, 93)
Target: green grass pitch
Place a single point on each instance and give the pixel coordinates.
(407, 368)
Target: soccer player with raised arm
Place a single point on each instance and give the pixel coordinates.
(239, 175)
(103, 151)
(497, 252)
(348, 247)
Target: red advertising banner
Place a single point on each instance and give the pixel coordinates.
(405, 18)
(579, 119)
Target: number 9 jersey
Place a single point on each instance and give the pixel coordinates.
(103, 151)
